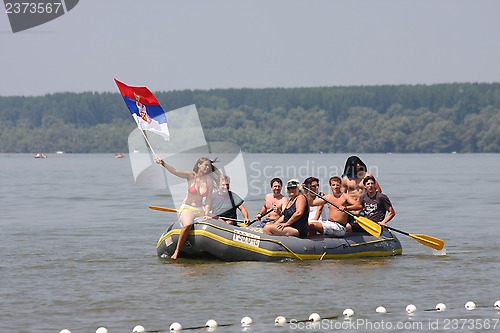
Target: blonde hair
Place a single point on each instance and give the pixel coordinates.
(224, 178)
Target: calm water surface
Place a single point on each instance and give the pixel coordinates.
(78, 251)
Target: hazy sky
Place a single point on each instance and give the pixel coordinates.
(203, 44)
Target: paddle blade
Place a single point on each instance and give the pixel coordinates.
(429, 241)
(371, 227)
(163, 209)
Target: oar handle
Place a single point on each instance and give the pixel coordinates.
(270, 210)
(230, 219)
(400, 231)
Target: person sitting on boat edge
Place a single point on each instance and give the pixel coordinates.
(316, 213)
(201, 182)
(355, 171)
(274, 201)
(293, 221)
(337, 224)
(225, 203)
(376, 206)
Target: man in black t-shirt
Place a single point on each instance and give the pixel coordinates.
(376, 206)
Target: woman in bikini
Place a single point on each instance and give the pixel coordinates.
(200, 185)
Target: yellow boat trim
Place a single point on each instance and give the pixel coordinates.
(288, 253)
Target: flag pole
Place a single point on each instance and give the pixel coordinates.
(149, 143)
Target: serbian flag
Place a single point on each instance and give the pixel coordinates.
(145, 109)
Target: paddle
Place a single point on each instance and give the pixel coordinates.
(173, 210)
(231, 219)
(371, 227)
(164, 209)
(270, 210)
(242, 223)
(429, 241)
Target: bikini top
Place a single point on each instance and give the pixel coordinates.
(192, 189)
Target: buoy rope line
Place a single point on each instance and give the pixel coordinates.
(347, 314)
(138, 330)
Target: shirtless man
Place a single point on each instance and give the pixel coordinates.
(337, 224)
(355, 171)
(275, 201)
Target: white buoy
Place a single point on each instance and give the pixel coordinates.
(348, 313)
(101, 330)
(411, 308)
(246, 321)
(440, 307)
(138, 329)
(497, 305)
(211, 323)
(280, 321)
(470, 305)
(65, 331)
(176, 327)
(314, 317)
(381, 309)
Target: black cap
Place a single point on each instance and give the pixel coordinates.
(292, 183)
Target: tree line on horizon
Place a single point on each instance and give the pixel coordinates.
(441, 118)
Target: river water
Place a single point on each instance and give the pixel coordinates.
(78, 251)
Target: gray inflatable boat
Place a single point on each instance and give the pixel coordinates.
(218, 240)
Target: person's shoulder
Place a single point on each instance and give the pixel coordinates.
(382, 195)
(369, 174)
(329, 196)
(362, 196)
(217, 195)
(236, 196)
(347, 196)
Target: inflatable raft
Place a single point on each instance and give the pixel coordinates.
(218, 240)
